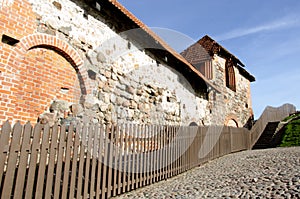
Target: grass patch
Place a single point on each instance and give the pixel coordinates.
(291, 135)
(291, 117)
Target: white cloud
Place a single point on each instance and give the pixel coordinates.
(286, 22)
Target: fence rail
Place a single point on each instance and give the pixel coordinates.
(93, 161)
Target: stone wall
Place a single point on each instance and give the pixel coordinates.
(105, 77)
(233, 105)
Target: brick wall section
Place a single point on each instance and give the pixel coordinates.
(43, 73)
(33, 71)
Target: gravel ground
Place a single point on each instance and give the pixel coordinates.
(270, 173)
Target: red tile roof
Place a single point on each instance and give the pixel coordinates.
(206, 47)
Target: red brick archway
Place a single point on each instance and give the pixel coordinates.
(37, 68)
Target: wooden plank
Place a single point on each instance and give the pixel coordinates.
(25, 148)
(105, 161)
(95, 157)
(12, 160)
(67, 160)
(145, 154)
(42, 162)
(82, 149)
(110, 161)
(35, 147)
(100, 176)
(152, 160)
(59, 161)
(133, 157)
(148, 152)
(140, 153)
(90, 134)
(116, 151)
(163, 150)
(126, 162)
(74, 168)
(121, 170)
(4, 147)
(171, 159)
(51, 163)
(160, 152)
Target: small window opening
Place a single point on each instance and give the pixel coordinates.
(64, 90)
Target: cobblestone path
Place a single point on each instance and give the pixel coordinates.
(270, 173)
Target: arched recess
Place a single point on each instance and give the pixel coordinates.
(231, 120)
(25, 65)
(230, 75)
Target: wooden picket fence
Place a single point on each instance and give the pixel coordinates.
(94, 161)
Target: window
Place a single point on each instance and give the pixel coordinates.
(205, 68)
(229, 75)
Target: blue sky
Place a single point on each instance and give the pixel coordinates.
(264, 35)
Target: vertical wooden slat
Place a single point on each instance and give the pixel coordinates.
(60, 155)
(20, 183)
(35, 147)
(90, 134)
(175, 137)
(145, 154)
(67, 160)
(110, 163)
(182, 163)
(157, 153)
(4, 147)
(51, 163)
(12, 160)
(142, 155)
(133, 165)
(148, 152)
(171, 151)
(121, 165)
(125, 178)
(161, 150)
(99, 130)
(129, 160)
(165, 150)
(181, 149)
(152, 148)
(95, 156)
(155, 158)
(104, 189)
(136, 155)
(83, 146)
(115, 164)
(42, 162)
(74, 169)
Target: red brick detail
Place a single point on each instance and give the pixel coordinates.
(17, 19)
(51, 42)
(35, 71)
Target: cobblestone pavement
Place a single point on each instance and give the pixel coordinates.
(270, 173)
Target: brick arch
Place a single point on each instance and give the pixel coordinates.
(49, 41)
(15, 63)
(61, 47)
(231, 117)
